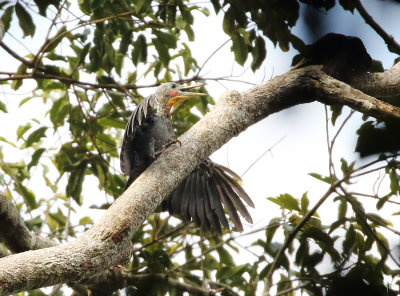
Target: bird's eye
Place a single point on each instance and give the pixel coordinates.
(173, 85)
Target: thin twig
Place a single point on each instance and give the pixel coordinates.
(389, 39)
(287, 291)
(211, 55)
(262, 155)
(373, 196)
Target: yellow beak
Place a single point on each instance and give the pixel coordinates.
(182, 95)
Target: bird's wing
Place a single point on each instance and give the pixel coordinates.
(139, 118)
(204, 194)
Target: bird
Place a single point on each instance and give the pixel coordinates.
(209, 189)
(341, 56)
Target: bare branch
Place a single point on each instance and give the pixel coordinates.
(13, 231)
(389, 39)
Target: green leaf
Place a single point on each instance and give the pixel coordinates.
(139, 5)
(15, 85)
(382, 201)
(22, 129)
(35, 157)
(56, 39)
(336, 224)
(35, 136)
(3, 107)
(59, 111)
(110, 122)
(166, 38)
(7, 17)
(321, 178)
(23, 101)
(286, 201)
(258, 52)
(342, 209)
(43, 4)
(225, 257)
(349, 241)
(228, 24)
(75, 181)
(162, 50)
(304, 202)
(271, 229)
(336, 111)
(394, 182)
(346, 168)
(28, 196)
(318, 235)
(302, 252)
(34, 224)
(139, 52)
(377, 219)
(25, 20)
(59, 218)
(125, 41)
(85, 220)
(239, 48)
(7, 141)
(264, 271)
(383, 250)
(348, 5)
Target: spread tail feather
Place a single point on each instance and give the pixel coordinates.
(204, 194)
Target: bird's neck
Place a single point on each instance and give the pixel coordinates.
(164, 111)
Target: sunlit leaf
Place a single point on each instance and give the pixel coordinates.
(7, 141)
(22, 129)
(286, 201)
(28, 196)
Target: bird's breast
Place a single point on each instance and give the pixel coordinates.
(163, 131)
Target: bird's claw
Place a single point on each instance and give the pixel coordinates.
(165, 146)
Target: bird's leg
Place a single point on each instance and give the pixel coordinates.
(173, 140)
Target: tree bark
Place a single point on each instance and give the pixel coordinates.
(14, 233)
(107, 243)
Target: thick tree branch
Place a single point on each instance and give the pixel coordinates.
(336, 92)
(382, 84)
(107, 243)
(13, 231)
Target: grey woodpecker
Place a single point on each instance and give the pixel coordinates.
(207, 191)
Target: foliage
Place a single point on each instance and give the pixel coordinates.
(87, 74)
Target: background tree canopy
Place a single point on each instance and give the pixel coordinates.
(95, 61)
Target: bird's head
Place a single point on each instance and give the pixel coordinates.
(170, 93)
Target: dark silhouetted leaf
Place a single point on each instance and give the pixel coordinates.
(35, 157)
(75, 181)
(35, 136)
(7, 17)
(25, 20)
(239, 48)
(259, 52)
